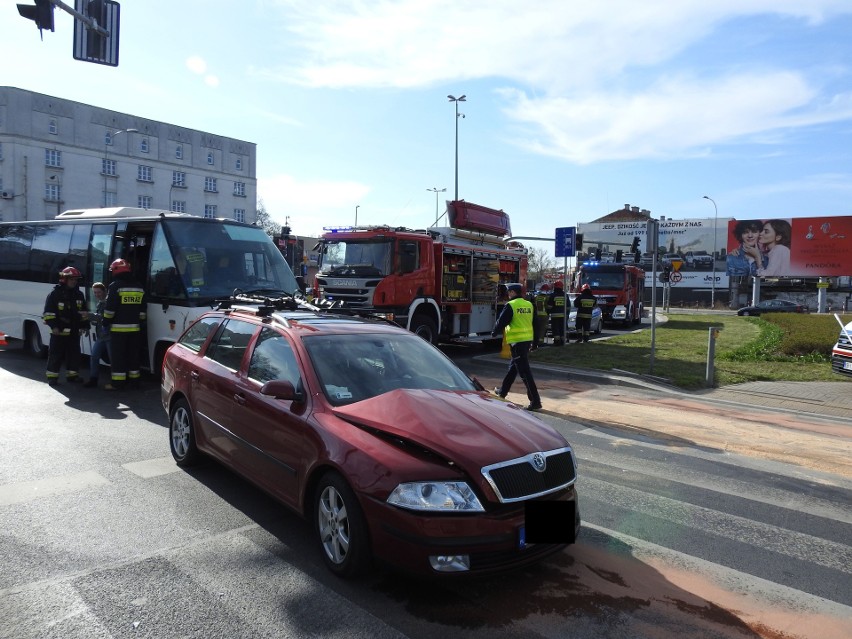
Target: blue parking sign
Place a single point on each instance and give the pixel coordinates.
(565, 241)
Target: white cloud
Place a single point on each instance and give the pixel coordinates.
(571, 69)
(211, 80)
(675, 117)
(196, 64)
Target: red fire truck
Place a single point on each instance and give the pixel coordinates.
(619, 289)
(440, 283)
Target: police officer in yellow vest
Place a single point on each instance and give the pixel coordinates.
(540, 325)
(517, 321)
(585, 304)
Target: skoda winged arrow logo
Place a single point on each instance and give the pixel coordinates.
(539, 462)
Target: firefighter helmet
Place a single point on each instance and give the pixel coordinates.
(585, 287)
(68, 271)
(517, 288)
(545, 287)
(119, 266)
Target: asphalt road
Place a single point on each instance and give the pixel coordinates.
(103, 536)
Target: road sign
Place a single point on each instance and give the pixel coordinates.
(675, 277)
(565, 241)
(676, 264)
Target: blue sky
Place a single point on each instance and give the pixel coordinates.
(574, 108)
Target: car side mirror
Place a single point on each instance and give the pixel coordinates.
(282, 389)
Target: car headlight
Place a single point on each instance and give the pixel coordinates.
(435, 495)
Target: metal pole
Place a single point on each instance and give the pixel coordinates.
(436, 190)
(461, 98)
(357, 206)
(715, 222)
(709, 377)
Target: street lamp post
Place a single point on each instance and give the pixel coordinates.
(456, 100)
(715, 221)
(358, 206)
(106, 156)
(436, 190)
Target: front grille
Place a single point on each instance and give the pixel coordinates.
(518, 479)
(507, 559)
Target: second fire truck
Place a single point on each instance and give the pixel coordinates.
(442, 283)
(618, 287)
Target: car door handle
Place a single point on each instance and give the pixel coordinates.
(240, 399)
(194, 376)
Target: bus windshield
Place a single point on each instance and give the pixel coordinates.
(372, 258)
(198, 260)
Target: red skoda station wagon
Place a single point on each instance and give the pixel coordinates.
(372, 434)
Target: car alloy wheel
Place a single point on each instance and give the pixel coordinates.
(340, 527)
(182, 435)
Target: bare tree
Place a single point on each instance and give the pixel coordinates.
(265, 221)
(539, 262)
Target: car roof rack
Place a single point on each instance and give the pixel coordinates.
(265, 306)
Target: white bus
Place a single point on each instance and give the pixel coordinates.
(184, 262)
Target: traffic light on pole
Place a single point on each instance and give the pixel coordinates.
(41, 13)
(634, 248)
(578, 242)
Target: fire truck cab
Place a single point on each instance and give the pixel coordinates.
(618, 287)
(441, 283)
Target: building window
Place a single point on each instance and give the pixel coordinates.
(239, 165)
(179, 206)
(108, 138)
(1, 150)
(240, 189)
(210, 159)
(52, 127)
(178, 178)
(210, 210)
(144, 201)
(108, 167)
(52, 157)
(210, 185)
(52, 192)
(143, 145)
(145, 174)
(240, 215)
(179, 151)
(110, 198)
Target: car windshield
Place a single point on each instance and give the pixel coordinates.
(352, 368)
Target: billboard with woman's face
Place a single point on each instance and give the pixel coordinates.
(798, 247)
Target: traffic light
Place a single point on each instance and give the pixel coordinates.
(635, 246)
(578, 242)
(618, 255)
(41, 13)
(598, 255)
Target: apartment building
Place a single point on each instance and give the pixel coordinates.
(57, 154)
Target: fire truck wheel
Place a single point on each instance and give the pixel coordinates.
(425, 327)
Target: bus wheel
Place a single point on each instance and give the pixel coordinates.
(32, 342)
(425, 327)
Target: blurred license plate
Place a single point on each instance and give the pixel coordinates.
(847, 366)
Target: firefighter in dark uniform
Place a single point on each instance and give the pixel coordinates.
(540, 325)
(556, 309)
(516, 319)
(585, 304)
(65, 313)
(124, 315)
